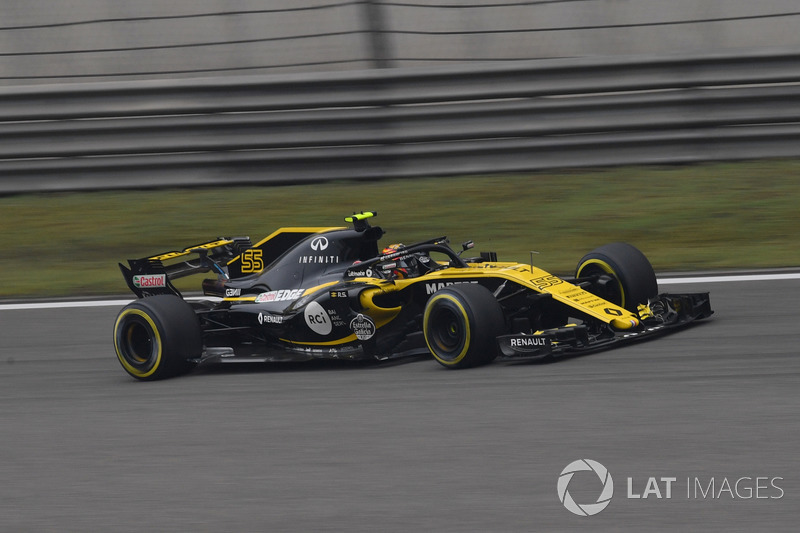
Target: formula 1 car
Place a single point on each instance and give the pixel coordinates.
(317, 292)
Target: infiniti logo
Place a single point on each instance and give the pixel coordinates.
(319, 243)
(586, 509)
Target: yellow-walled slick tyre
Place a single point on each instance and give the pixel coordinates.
(626, 276)
(461, 324)
(157, 337)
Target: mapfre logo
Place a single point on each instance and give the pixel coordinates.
(585, 509)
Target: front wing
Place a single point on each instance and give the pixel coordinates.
(665, 313)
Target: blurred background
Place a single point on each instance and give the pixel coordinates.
(89, 40)
(674, 125)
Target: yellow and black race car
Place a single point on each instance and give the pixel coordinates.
(313, 292)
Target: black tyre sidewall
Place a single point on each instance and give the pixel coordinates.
(175, 332)
(629, 266)
(480, 318)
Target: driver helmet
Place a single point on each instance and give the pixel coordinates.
(407, 266)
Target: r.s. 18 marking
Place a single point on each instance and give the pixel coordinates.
(252, 261)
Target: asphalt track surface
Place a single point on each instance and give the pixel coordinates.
(407, 447)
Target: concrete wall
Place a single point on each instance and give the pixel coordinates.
(60, 41)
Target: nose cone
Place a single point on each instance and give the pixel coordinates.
(624, 323)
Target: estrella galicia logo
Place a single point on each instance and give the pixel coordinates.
(586, 509)
(319, 243)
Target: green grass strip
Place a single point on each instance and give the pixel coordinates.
(715, 216)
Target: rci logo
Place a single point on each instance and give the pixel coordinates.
(587, 509)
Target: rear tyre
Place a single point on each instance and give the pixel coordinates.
(157, 337)
(625, 276)
(461, 325)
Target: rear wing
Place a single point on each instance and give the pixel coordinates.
(152, 275)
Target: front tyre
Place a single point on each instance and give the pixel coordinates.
(461, 325)
(624, 275)
(157, 337)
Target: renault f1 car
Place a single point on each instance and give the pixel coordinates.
(332, 292)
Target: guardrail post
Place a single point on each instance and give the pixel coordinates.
(375, 18)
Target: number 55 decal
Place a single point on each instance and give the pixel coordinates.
(252, 261)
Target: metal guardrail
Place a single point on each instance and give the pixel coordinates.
(521, 116)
